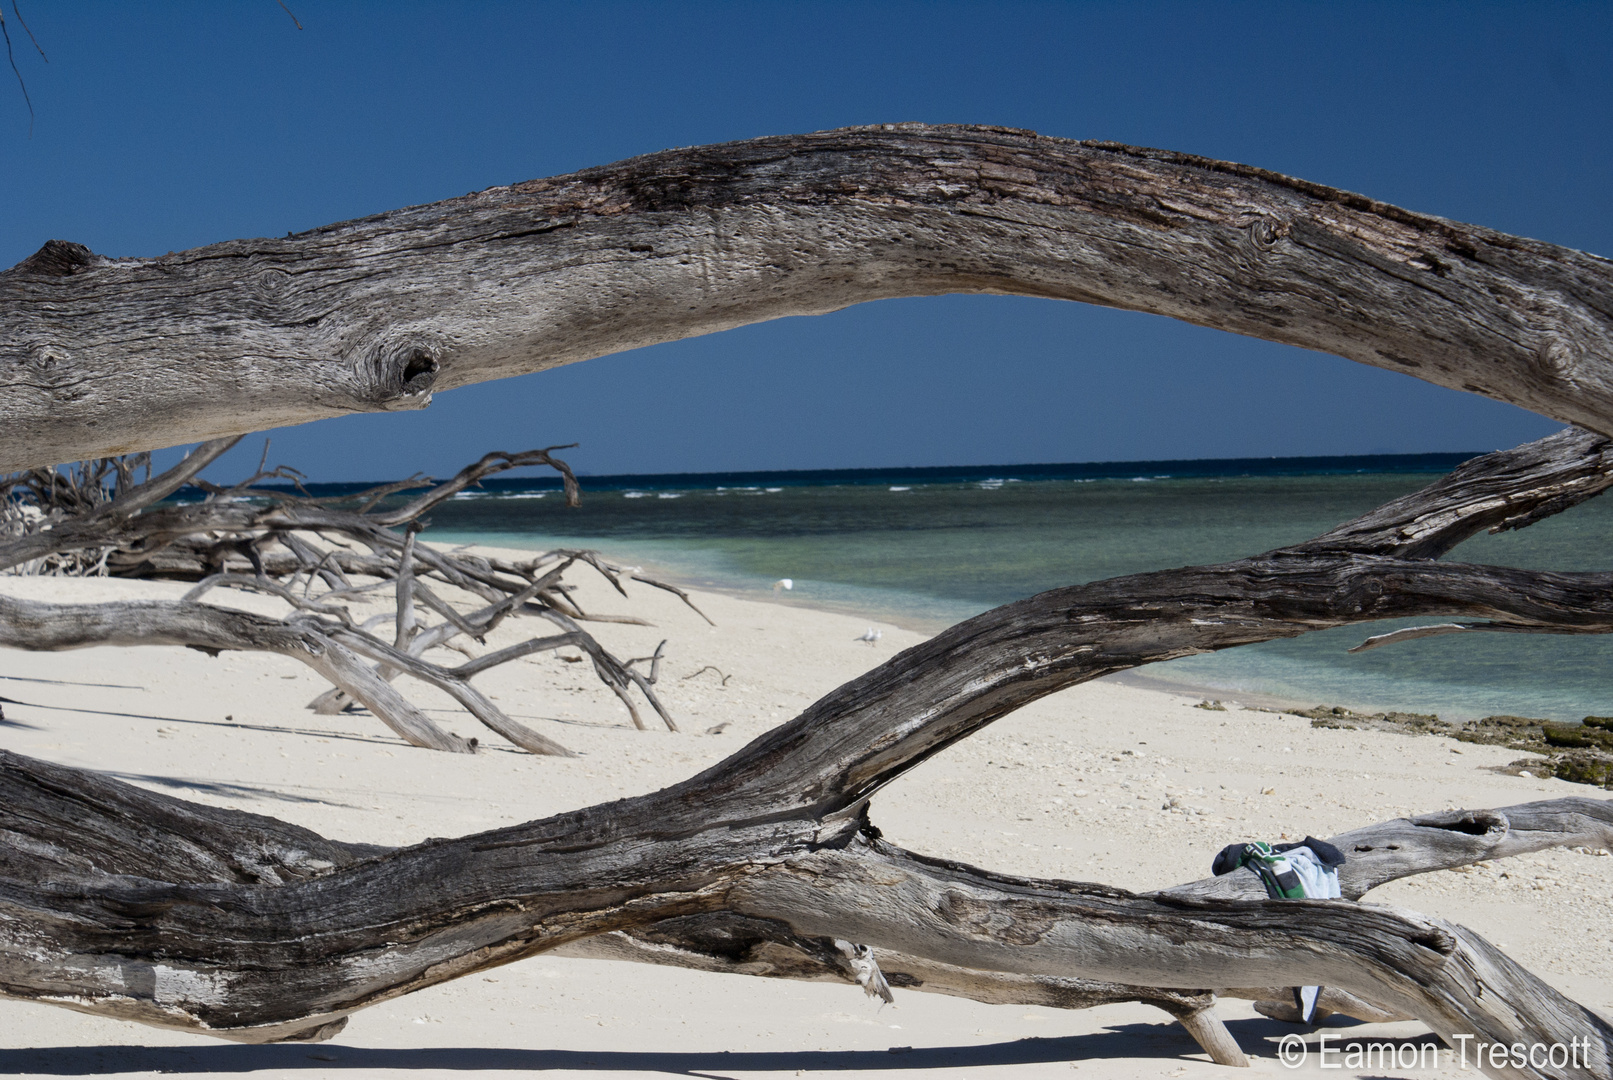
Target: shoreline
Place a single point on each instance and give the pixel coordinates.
(1138, 677)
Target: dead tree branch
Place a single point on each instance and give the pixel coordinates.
(779, 831)
(96, 517)
(253, 334)
(220, 922)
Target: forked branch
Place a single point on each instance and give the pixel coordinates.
(272, 541)
(120, 902)
(779, 833)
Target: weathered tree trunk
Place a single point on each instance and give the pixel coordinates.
(131, 904)
(99, 356)
(210, 919)
(1377, 854)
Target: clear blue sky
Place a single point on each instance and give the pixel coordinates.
(166, 126)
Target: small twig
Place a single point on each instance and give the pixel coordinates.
(655, 702)
(625, 620)
(515, 652)
(446, 610)
(1412, 633)
(376, 494)
(263, 584)
(702, 671)
(679, 593)
(405, 592)
(356, 590)
(18, 13)
(9, 56)
(654, 660)
(473, 700)
(471, 475)
(263, 459)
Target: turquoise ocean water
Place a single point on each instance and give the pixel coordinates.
(926, 548)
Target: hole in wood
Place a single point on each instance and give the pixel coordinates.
(419, 369)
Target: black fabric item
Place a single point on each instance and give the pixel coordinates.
(1326, 852)
(1228, 859)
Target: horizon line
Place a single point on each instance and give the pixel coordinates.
(1427, 461)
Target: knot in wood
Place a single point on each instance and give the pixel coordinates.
(1020, 925)
(271, 281)
(1554, 358)
(1264, 232)
(1363, 596)
(1438, 940)
(45, 357)
(1468, 822)
(1563, 335)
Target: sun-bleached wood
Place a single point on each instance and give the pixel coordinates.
(251, 930)
(264, 540)
(780, 830)
(1377, 854)
(101, 356)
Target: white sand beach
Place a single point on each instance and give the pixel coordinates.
(1071, 787)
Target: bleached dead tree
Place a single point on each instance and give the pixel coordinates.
(318, 555)
(255, 930)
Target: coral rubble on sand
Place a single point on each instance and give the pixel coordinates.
(1581, 753)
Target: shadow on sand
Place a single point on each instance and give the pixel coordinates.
(1155, 1041)
(225, 790)
(277, 729)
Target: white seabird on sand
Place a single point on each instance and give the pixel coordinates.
(870, 635)
(784, 583)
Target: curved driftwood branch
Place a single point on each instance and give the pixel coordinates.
(742, 945)
(1377, 854)
(101, 356)
(313, 903)
(1386, 852)
(1444, 975)
(778, 832)
(375, 314)
(46, 627)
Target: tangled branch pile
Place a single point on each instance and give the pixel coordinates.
(314, 554)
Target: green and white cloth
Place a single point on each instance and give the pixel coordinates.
(1304, 871)
(1292, 872)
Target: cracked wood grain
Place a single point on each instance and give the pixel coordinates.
(779, 831)
(101, 356)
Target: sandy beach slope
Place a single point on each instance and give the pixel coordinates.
(1072, 787)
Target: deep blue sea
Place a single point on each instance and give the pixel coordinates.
(928, 547)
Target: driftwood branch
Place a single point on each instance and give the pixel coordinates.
(741, 945)
(1379, 854)
(779, 831)
(914, 907)
(269, 548)
(378, 313)
(45, 627)
(1376, 855)
(124, 903)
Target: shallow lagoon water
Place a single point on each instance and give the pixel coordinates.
(927, 554)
